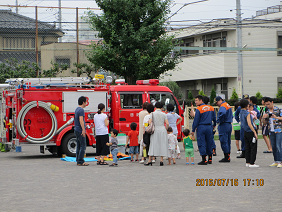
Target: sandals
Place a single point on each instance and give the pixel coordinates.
(83, 164)
(187, 163)
(103, 163)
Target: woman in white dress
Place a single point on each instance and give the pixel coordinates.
(158, 140)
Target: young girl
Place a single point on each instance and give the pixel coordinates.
(253, 114)
(172, 145)
(102, 134)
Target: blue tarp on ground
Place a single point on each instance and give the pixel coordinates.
(73, 159)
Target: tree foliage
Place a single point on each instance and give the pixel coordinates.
(258, 95)
(84, 68)
(279, 94)
(190, 95)
(234, 95)
(174, 87)
(14, 69)
(213, 95)
(201, 92)
(135, 44)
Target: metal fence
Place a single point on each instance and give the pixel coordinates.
(44, 34)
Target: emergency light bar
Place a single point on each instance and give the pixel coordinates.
(120, 81)
(48, 81)
(148, 82)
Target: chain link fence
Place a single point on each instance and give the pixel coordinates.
(45, 35)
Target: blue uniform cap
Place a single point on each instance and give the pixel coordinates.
(218, 98)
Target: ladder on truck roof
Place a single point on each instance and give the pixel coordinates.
(48, 81)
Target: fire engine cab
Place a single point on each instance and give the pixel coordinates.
(40, 111)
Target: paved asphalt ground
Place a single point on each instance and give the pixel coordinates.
(30, 181)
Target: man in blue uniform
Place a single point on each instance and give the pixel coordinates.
(224, 119)
(202, 122)
(245, 96)
(206, 100)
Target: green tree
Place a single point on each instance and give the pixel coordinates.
(83, 68)
(54, 70)
(13, 69)
(258, 95)
(234, 95)
(279, 94)
(174, 87)
(201, 92)
(213, 95)
(190, 95)
(135, 43)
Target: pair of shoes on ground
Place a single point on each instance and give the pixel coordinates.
(102, 163)
(252, 166)
(192, 163)
(278, 165)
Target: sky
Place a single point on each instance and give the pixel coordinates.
(201, 12)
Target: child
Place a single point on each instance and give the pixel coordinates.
(173, 119)
(114, 147)
(172, 145)
(188, 146)
(236, 127)
(132, 136)
(250, 134)
(253, 114)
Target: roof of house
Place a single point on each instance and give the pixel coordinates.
(10, 21)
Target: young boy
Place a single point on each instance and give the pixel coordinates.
(114, 147)
(188, 146)
(132, 136)
(172, 145)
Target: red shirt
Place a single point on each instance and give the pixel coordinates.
(133, 137)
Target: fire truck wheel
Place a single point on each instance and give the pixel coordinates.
(69, 145)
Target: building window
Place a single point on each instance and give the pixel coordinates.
(12, 43)
(214, 40)
(63, 61)
(279, 42)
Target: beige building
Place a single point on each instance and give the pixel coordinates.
(202, 70)
(63, 53)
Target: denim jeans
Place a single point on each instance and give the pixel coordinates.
(80, 147)
(114, 153)
(276, 140)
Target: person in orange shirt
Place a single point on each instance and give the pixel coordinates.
(132, 138)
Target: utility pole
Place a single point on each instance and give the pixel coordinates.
(17, 9)
(60, 18)
(239, 53)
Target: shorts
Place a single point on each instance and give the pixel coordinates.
(189, 152)
(171, 153)
(265, 130)
(237, 134)
(101, 147)
(134, 150)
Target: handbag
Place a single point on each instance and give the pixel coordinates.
(151, 128)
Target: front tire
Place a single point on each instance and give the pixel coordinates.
(69, 145)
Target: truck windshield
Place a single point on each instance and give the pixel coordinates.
(165, 98)
(131, 100)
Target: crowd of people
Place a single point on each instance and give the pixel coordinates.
(157, 134)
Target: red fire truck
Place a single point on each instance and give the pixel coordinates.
(40, 111)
